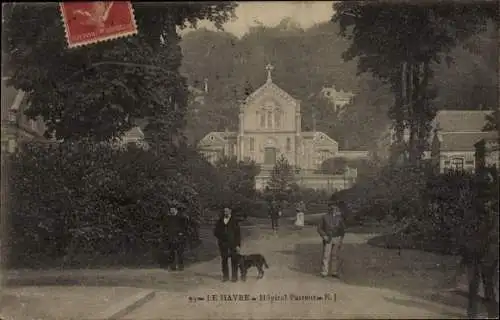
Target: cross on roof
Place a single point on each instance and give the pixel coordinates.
(269, 69)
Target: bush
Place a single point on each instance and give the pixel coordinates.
(75, 197)
(456, 210)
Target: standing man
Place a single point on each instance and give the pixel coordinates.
(176, 228)
(332, 231)
(274, 214)
(227, 232)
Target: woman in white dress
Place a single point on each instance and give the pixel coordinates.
(299, 220)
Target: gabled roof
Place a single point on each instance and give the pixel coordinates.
(226, 134)
(318, 137)
(134, 134)
(218, 136)
(461, 120)
(463, 141)
(270, 86)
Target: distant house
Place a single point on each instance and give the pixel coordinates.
(135, 136)
(338, 98)
(455, 134)
(451, 141)
(16, 127)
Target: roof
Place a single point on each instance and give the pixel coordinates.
(461, 120)
(226, 134)
(463, 141)
(270, 86)
(312, 134)
(134, 133)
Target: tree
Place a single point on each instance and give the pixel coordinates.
(493, 121)
(472, 82)
(398, 43)
(98, 91)
(238, 183)
(282, 178)
(100, 198)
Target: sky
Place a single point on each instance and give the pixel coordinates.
(306, 13)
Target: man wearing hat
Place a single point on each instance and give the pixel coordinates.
(175, 233)
(332, 230)
(227, 232)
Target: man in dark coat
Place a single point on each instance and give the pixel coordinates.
(274, 214)
(227, 232)
(175, 233)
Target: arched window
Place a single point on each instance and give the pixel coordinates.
(277, 119)
(262, 119)
(269, 119)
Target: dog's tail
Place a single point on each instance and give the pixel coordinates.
(265, 264)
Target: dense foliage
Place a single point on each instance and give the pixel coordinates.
(238, 185)
(75, 198)
(431, 212)
(407, 42)
(469, 83)
(282, 180)
(99, 91)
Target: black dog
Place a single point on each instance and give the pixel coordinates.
(245, 262)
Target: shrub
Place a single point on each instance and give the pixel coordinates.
(76, 197)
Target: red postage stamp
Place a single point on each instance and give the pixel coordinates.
(91, 22)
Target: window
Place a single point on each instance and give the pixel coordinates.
(12, 145)
(231, 149)
(262, 120)
(277, 119)
(457, 163)
(469, 162)
(269, 119)
(252, 144)
(288, 144)
(12, 115)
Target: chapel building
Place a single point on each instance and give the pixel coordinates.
(270, 127)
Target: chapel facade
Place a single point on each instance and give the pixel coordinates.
(270, 127)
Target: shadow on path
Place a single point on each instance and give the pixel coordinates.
(410, 272)
(142, 273)
(423, 305)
